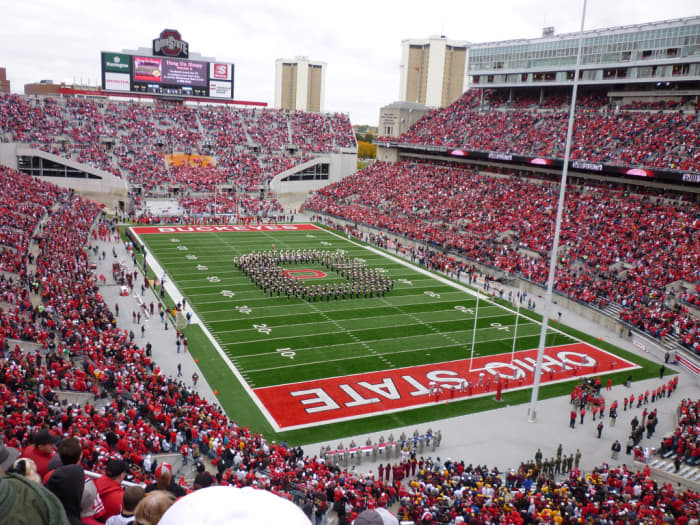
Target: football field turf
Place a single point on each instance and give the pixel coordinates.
(390, 360)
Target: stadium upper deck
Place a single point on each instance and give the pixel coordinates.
(528, 126)
(128, 139)
(662, 51)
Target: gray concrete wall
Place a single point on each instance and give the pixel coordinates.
(105, 187)
(340, 166)
(8, 155)
(386, 154)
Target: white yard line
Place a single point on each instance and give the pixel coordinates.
(248, 341)
(311, 348)
(413, 317)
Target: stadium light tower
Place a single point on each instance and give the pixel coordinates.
(532, 411)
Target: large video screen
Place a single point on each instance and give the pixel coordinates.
(166, 76)
(170, 72)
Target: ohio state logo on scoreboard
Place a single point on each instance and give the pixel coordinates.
(170, 44)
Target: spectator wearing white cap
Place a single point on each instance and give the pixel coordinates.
(224, 505)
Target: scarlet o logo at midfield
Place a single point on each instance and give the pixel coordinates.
(305, 273)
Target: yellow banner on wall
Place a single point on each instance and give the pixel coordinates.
(190, 160)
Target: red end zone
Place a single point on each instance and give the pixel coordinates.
(339, 398)
(214, 228)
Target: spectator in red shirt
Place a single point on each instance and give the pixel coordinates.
(41, 451)
(109, 486)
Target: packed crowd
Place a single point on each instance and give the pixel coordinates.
(615, 248)
(684, 443)
(148, 413)
(659, 105)
(242, 205)
(606, 495)
(635, 138)
(130, 139)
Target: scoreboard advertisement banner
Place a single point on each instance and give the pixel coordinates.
(220, 80)
(116, 63)
(220, 89)
(219, 71)
(117, 81)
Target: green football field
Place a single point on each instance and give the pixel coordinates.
(309, 369)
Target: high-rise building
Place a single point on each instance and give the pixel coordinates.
(299, 84)
(4, 83)
(433, 70)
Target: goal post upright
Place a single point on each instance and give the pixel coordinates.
(476, 317)
(532, 411)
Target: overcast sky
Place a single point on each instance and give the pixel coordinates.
(359, 40)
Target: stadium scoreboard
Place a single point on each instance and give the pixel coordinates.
(167, 71)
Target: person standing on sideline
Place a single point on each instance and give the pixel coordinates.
(616, 447)
(661, 371)
(600, 429)
(179, 370)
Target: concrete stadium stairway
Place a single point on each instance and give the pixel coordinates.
(687, 472)
(673, 342)
(613, 310)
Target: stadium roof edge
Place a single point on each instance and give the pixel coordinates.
(406, 105)
(590, 32)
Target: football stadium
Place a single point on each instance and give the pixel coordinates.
(218, 309)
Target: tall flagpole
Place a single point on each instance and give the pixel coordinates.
(532, 411)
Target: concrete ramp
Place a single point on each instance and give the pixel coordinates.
(88, 181)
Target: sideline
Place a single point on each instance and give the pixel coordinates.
(177, 296)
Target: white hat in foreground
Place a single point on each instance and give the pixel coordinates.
(225, 505)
